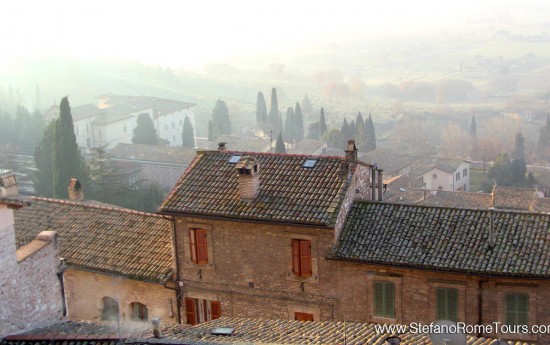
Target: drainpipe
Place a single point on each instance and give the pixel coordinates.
(373, 183)
(61, 277)
(178, 287)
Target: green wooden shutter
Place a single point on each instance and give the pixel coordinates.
(452, 304)
(523, 309)
(440, 303)
(390, 298)
(378, 299)
(516, 308)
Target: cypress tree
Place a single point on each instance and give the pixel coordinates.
(360, 133)
(289, 125)
(261, 111)
(346, 130)
(210, 131)
(43, 159)
(187, 135)
(370, 135)
(473, 127)
(543, 145)
(145, 132)
(280, 145)
(307, 107)
(273, 116)
(221, 123)
(299, 122)
(322, 123)
(280, 127)
(67, 162)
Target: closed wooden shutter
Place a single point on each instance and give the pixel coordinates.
(452, 304)
(378, 299)
(517, 309)
(202, 247)
(523, 309)
(384, 299)
(190, 311)
(193, 245)
(296, 269)
(389, 297)
(216, 309)
(303, 316)
(305, 258)
(446, 304)
(440, 304)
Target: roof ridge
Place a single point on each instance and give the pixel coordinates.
(103, 207)
(508, 211)
(272, 154)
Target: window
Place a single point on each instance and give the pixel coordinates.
(298, 316)
(138, 312)
(446, 304)
(309, 163)
(201, 310)
(109, 312)
(384, 296)
(516, 308)
(199, 246)
(458, 176)
(465, 172)
(301, 258)
(234, 159)
(434, 176)
(421, 179)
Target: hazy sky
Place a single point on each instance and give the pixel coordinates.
(191, 33)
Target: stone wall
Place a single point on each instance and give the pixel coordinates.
(30, 291)
(85, 291)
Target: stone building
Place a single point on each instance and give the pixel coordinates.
(30, 288)
(119, 261)
(253, 232)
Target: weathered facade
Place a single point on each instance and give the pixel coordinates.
(119, 261)
(31, 294)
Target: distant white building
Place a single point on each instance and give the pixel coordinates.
(114, 119)
(446, 175)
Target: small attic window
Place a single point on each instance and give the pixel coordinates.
(234, 159)
(309, 163)
(224, 331)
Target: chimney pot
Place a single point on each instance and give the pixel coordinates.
(248, 171)
(75, 190)
(156, 327)
(351, 151)
(8, 184)
(222, 146)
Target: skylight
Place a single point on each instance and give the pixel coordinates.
(309, 163)
(234, 159)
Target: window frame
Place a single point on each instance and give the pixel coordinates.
(465, 172)
(142, 312)
(457, 176)
(446, 303)
(386, 312)
(516, 296)
(192, 314)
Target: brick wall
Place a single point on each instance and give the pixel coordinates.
(250, 273)
(85, 291)
(30, 291)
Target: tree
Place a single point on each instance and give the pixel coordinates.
(145, 132)
(298, 122)
(6, 129)
(273, 116)
(210, 131)
(543, 145)
(261, 111)
(67, 161)
(473, 127)
(518, 166)
(346, 131)
(43, 159)
(322, 123)
(313, 131)
(370, 135)
(289, 125)
(501, 170)
(335, 139)
(221, 124)
(360, 133)
(280, 144)
(188, 135)
(307, 107)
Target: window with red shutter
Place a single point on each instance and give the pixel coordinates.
(216, 309)
(301, 258)
(303, 316)
(190, 311)
(198, 246)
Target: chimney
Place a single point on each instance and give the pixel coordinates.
(380, 184)
(248, 171)
(373, 182)
(156, 327)
(8, 184)
(222, 147)
(491, 240)
(351, 151)
(75, 190)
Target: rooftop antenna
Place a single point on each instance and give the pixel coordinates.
(448, 337)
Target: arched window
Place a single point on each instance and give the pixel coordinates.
(138, 312)
(110, 309)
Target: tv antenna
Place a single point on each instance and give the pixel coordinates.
(447, 338)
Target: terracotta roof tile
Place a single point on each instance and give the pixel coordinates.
(288, 191)
(102, 238)
(449, 239)
(246, 331)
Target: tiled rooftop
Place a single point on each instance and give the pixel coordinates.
(246, 331)
(154, 153)
(288, 192)
(470, 200)
(513, 197)
(446, 239)
(101, 238)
